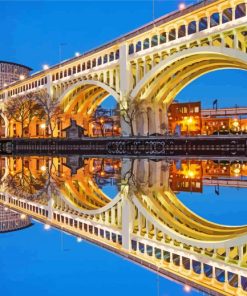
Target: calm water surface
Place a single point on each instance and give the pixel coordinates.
(52, 208)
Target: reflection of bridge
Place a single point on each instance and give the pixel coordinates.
(226, 183)
(150, 65)
(148, 224)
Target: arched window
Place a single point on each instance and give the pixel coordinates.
(138, 46)
(61, 74)
(69, 71)
(65, 73)
(117, 54)
(192, 28)
(227, 15)
(74, 69)
(88, 64)
(240, 10)
(111, 56)
(154, 41)
(131, 49)
(181, 31)
(146, 43)
(83, 67)
(57, 76)
(163, 38)
(214, 19)
(172, 35)
(94, 63)
(99, 61)
(203, 24)
(79, 68)
(105, 58)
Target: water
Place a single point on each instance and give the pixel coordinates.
(106, 226)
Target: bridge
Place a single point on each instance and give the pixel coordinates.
(143, 70)
(145, 223)
(238, 111)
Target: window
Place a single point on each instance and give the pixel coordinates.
(172, 35)
(163, 38)
(154, 41)
(181, 31)
(138, 46)
(131, 49)
(214, 20)
(203, 24)
(146, 43)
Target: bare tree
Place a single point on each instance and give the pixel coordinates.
(22, 109)
(129, 111)
(51, 108)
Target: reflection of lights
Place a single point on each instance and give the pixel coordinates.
(235, 123)
(236, 171)
(43, 168)
(23, 216)
(102, 174)
(79, 239)
(181, 6)
(101, 120)
(190, 120)
(190, 174)
(47, 226)
(187, 289)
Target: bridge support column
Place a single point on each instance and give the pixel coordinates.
(127, 222)
(124, 81)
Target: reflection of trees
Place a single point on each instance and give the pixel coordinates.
(24, 183)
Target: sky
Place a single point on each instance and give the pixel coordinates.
(32, 33)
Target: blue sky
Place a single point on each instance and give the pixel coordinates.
(33, 31)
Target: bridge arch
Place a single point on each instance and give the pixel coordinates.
(218, 57)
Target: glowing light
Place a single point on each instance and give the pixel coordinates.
(5, 84)
(236, 171)
(77, 54)
(43, 168)
(187, 289)
(235, 123)
(22, 77)
(79, 239)
(182, 6)
(47, 226)
(190, 120)
(42, 125)
(5, 209)
(23, 216)
(45, 67)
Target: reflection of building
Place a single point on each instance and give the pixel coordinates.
(10, 220)
(10, 72)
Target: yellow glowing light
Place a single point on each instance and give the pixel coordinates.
(42, 125)
(190, 120)
(182, 6)
(101, 120)
(47, 226)
(43, 168)
(187, 289)
(45, 67)
(23, 216)
(235, 123)
(236, 171)
(22, 77)
(190, 174)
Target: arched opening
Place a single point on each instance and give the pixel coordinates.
(154, 41)
(240, 10)
(163, 38)
(214, 20)
(192, 27)
(146, 43)
(138, 46)
(203, 24)
(172, 35)
(227, 15)
(131, 49)
(93, 107)
(181, 31)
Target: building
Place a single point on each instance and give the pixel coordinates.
(11, 221)
(185, 118)
(11, 72)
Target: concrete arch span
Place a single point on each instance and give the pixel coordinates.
(88, 85)
(159, 87)
(183, 60)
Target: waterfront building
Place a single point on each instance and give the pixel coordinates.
(11, 72)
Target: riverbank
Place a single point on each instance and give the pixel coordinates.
(170, 146)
